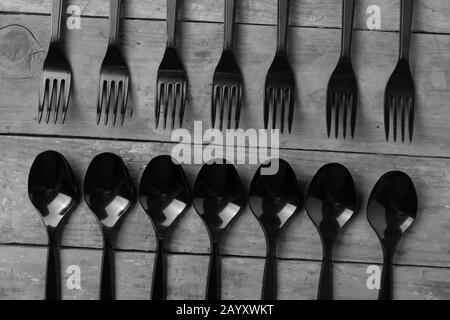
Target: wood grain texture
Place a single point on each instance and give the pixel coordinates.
(313, 55)
(426, 244)
(22, 272)
(429, 16)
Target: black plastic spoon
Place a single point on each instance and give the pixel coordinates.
(109, 193)
(331, 202)
(218, 198)
(391, 211)
(273, 199)
(54, 193)
(164, 194)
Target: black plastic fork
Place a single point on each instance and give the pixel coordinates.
(400, 91)
(279, 94)
(342, 94)
(172, 78)
(227, 93)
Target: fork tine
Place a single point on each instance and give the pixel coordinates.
(387, 111)
(117, 93)
(42, 94)
(394, 118)
(125, 94)
(402, 110)
(353, 115)
(338, 107)
(167, 97)
(291, 109)
(411, 118)
(158, 100)
(109, 90)
(222, 106)
(214, 106)
(267, 99)
(274, 108)
(283, 101)
(176, 97)
(183, 103)
(53, 83)
(238, 106)
(229, 97)
(345, 104)
(59, 90)
(67, 93)
(101, 97)
(331, 104)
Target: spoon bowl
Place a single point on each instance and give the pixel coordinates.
(273, 199)
(54, 193)
(391, 211)
(218, 198)
(109, 193)
(165, 195)
(331, 203)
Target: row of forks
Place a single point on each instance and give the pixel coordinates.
(56, 79)
(227, 90)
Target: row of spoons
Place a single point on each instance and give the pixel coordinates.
(218, 197)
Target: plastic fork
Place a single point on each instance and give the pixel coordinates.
(342, 93)
(280, 82)
(114, 74)
(172, 78)
(400, 92)
(227, 81)
(56, 78)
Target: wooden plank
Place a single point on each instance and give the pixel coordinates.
(22, 272)
(313, 54)
(426, 244)
(429, 16)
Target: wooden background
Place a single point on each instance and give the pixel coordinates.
(422, 263)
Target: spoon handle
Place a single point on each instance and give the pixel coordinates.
(269, 290)
(386, 279)
(326, 278)
(159, 276)
(52, 286)
(107, 281)
(214, 279)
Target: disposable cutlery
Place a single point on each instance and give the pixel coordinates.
(172, 78)
(54, 193)
(109, 193)
(391, 211)
(279, 97)
(114, 74)
(400, 92)
(331, 203)
(164, 194)
(227, 93)
(342, 94)
(274, 199)
(218, 198)
(56, 78)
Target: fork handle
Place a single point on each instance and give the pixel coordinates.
(406, 16)
(348, 12)
(114, 16)
(283, 22)
(172, 22)
(230, 15)
(57, 7)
